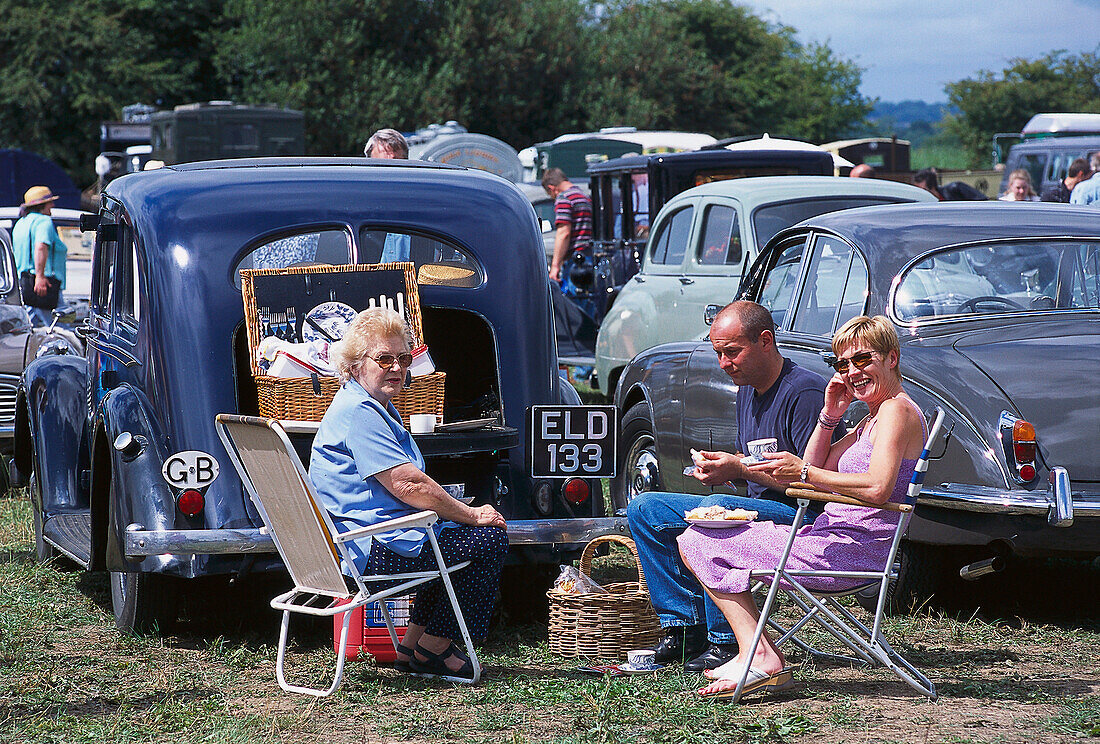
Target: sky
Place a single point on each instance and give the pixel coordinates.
(910, 50)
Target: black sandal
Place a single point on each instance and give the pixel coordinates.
(404, 666)
(434, 664)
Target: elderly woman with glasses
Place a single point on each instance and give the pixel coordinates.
(874, 463)
(366, 468)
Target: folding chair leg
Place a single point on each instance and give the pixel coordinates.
(445, 576)
(341, 657)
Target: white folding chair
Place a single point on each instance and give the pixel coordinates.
(311, 547)
(867, 644)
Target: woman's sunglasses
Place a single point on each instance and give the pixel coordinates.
(860, 360)
(385, 361)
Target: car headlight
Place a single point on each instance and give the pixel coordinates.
(54, 347)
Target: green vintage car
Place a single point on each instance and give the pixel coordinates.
(702, 242)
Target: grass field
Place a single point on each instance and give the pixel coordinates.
(66, 675)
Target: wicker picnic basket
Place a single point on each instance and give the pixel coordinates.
(603, 626)
(307, 398)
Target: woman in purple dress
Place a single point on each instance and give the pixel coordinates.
(874, 462)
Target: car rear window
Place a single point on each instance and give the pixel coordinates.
(436, 261)
(1010, 277)
(771, 218)
(331, 247)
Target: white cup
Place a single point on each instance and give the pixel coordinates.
(641, 659)
(758, 447)
(422, 423)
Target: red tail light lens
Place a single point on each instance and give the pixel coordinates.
(575, 491)
(190, 502)
(1023, 444)
(1027, 472)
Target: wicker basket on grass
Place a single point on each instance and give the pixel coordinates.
(603, 626)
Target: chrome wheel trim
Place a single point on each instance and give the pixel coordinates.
(643, 472)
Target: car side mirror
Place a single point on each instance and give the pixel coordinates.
(710, 313)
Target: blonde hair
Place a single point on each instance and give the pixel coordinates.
(1025, 176)
(877, 333)
(366, 329)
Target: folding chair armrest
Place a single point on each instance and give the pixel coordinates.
(807, 491)
(420, 519)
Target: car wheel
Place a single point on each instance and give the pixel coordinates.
(638, 469)
(921, 578)
(142, 601)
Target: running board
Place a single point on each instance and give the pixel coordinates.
(72, 535)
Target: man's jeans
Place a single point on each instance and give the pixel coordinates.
(656, 520)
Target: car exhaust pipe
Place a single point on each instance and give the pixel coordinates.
(978, 569)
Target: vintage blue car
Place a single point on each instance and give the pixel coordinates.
(998, 311)
(126, 470)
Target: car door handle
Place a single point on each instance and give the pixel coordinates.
(86, 331)
(686, 280)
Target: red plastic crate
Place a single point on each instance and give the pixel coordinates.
(367, 631)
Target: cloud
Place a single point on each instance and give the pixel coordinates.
(912, 50)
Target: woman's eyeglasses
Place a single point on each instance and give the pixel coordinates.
(860, 360)
(385, 361)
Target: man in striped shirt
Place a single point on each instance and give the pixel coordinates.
(573, 221)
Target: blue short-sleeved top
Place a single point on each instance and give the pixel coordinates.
(32, 229)
(356, 440)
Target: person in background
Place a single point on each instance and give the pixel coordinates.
(572, 221)
(387, 144)
(367, 468)
(862, 171)
(390, 144)
(929, 180)
(1088, 192)
(38, 248)
(1060, 192)
(775, 398)
(1019, 187)
(874, 463)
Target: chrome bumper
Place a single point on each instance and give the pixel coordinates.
(143, 542)
(1058, 503)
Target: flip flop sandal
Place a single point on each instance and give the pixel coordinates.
(757, 681)
(401, 665)
(435, 666)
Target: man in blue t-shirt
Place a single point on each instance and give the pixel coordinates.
(776, 399)
(38, 248)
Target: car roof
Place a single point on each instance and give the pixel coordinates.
(1058, 143)
(8, 216)
(769, 189)
(221, 205)
(892, 235)
(710, 157)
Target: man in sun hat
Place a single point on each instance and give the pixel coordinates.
(38, 248)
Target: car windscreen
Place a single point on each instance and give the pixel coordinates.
(1005, 277)
(769, 219)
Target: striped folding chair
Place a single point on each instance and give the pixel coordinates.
(312, 549)
(866, 644)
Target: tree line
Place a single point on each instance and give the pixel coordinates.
(523, 71)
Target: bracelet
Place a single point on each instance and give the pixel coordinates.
(805, 473)
(826, 423)
(827, 419)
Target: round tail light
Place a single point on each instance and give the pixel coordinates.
(1027, 472)
(576, 491)
(190, 502)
